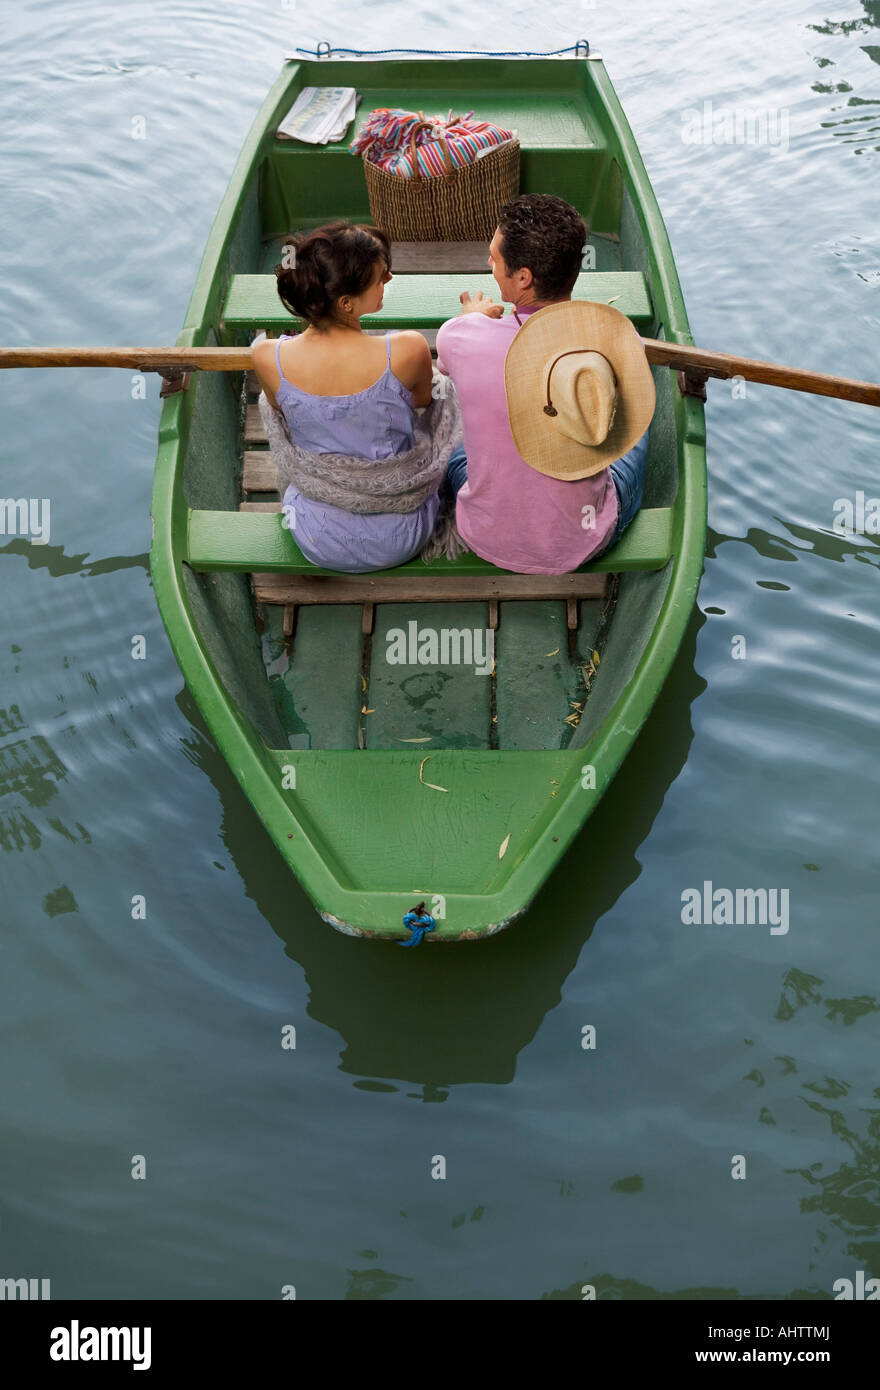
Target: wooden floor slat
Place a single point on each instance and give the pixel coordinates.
(532, 651)
(363, 588)
(253, 426)
(445, 704)
(439, 257)
(258, 471)
(452, 257)
(325, 712)
(412, 257)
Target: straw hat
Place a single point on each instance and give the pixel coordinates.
(579, 389)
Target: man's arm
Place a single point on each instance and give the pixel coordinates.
(480, 304)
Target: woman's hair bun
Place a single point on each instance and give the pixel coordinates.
(318, 268)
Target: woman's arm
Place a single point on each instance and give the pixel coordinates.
(411, 364)
(263, 355)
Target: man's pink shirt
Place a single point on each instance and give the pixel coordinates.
(506, 512)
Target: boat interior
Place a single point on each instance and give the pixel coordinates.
(306, 664)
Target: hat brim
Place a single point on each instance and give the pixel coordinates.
(559, 328)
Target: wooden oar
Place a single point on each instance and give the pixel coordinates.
(694, 364)
(144, 359)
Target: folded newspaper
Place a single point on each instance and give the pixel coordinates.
(319, 115)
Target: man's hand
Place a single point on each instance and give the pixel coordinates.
(480, 304)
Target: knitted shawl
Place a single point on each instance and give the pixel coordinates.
(398, 484)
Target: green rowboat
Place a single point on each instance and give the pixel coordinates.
(387, 782)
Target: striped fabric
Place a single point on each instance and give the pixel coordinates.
(384, 139)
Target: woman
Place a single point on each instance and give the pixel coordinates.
(343, 392)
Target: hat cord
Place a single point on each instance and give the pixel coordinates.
(549, 408)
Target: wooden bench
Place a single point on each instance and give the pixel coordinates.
(258, 543)
(255, 541)
(427, 301)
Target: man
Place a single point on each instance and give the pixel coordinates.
(507, 511)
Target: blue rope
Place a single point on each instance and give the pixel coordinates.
(441, 52)
(418, 926)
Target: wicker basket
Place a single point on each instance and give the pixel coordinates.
(460, 205)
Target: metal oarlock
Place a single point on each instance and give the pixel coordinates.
(692, 382)
(173, 379)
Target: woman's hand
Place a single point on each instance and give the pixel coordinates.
(480, 304)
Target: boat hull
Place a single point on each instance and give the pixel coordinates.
(372, 813)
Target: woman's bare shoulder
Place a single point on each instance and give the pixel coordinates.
(411, 342)
(410, 354)
(263, 347)
(265, 366)
(263, 355)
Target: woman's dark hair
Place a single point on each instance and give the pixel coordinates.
(318, 268)
(547, 236)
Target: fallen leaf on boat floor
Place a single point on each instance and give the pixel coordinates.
(614, 300)
(503, 850)
(587, 674)
(556, 653)
(364, 710)
(432, 785)
(363, 682)
(416, 740)
(595, 658)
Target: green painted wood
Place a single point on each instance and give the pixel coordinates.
(257, 542)
(427, 301)
(412, 841)
(563, 140)
(543, 118)
(316, 688)
(539, 685)
(445, 703)
(360, 829)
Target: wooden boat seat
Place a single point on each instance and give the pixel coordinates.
(257, 542)
(426, 301)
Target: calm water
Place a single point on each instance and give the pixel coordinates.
(161, 1037)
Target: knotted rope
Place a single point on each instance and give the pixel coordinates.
(419, 921)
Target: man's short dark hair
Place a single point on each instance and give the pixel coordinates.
(546, 235)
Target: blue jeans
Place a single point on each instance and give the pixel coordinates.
(456, 470)
(627, 472)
